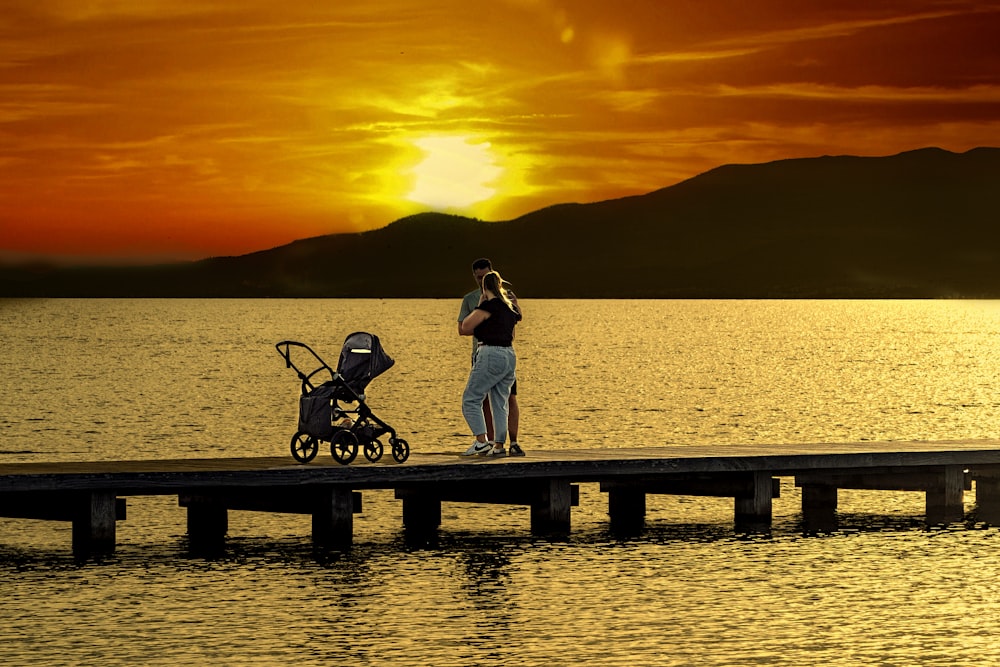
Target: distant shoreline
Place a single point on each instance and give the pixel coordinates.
(918, 225)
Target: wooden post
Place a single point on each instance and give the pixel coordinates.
(753, 511)
(945, 499)
(207, 523)
(819, 507)
(988, 496)
(333, 517)
(550, 512)
(94, 523)
(421, 513)
(627, 510)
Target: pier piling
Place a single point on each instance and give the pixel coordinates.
(333, 517)
(753, 508)
(987, 481)
(751, 491)
(94, 526)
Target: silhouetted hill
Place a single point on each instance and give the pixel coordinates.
(918, 224)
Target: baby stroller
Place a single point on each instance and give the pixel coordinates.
(322, 414)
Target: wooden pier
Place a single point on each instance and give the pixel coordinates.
(93, 495)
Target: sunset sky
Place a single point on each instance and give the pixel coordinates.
(148, 130)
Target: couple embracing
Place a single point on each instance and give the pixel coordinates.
(489, 314)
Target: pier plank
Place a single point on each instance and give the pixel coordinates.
(581, 465)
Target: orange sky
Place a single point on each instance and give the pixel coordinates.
(180, 129)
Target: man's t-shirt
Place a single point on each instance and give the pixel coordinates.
(469, 303)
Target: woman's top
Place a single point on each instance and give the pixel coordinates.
(498, 328)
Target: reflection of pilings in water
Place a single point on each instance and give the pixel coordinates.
(487, 580)
(90, 495)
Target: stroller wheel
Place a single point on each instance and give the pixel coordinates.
(400, 449)
(304, 447)
(373, 450)
(344, 447)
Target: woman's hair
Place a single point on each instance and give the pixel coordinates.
(494, 283)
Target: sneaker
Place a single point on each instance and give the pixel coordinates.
(478, 448)
(496, 452)
(515, 450)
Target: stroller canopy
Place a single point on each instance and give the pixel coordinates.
(362, 359)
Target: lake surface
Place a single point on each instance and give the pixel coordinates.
(148, 379)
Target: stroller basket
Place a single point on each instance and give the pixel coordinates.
(314, 412)
(332, 405)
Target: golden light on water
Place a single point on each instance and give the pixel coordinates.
(883, 590)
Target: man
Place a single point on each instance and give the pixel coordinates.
(480, 268)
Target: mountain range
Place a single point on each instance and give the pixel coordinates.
(920, 224)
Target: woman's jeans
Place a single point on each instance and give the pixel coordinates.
(492, 374)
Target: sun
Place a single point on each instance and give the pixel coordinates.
(455, 173)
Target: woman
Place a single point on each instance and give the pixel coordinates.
(492, 323)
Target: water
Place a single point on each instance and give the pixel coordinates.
(113, 379)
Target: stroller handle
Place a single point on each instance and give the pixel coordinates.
(286, 352)
(284, 349)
